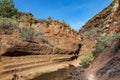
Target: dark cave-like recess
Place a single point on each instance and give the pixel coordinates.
(17, 53)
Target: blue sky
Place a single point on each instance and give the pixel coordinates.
(74, 12)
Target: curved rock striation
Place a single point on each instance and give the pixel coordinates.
(53, 37)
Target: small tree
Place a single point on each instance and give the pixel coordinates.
(7, 8)
(49, 18)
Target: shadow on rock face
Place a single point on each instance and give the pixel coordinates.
(17, 53)
(60, 74)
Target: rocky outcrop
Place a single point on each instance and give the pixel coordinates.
(51, 46)
(52, 37)
(106, 66)
(12, 46)
(60, 36)
(105, 22)
(115, 26)
(57, 34)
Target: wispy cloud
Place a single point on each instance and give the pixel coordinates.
(70, 8)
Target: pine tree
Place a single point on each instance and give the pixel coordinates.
(7, 8)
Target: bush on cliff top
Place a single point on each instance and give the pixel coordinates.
(6, 23)
(7, 8)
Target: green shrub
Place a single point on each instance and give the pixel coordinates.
(108, 39)
(6, 23)
(105, 42)
(49, 18)
(66, 24)
(25, 18)
(98, 49)
(7, 8)
(27, 33)
(86, 61)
